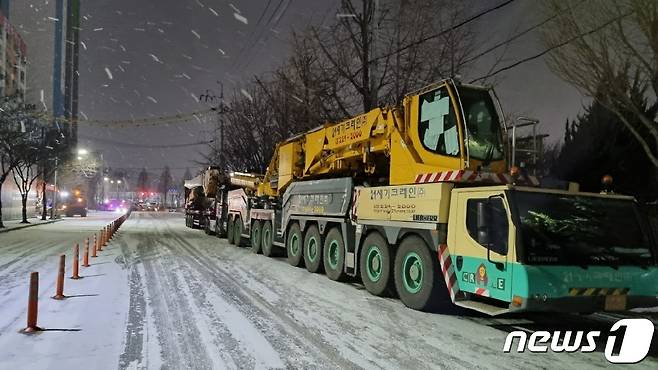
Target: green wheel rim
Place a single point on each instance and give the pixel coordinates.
(412, 272)
(334, 254)
(312, 249)
(374, 263)
(294, 244)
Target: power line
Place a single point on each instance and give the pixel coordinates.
(546, 51)
(443, 32)
(520, 34)
(131, 123)
(164, 146)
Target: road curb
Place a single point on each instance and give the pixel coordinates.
(24, 226)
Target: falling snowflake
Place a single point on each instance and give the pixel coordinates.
(156, 59)
(247, 95)
(196, 34)
(213, 11)
(109, 74)
(240, 18)
(152, 99)
(234, 8)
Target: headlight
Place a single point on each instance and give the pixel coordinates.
(79, 200)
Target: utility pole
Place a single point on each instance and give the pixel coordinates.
(221, 108)
(53, 214)
(44, 199)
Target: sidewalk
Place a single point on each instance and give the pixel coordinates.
(12, 225)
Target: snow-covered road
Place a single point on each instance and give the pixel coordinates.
(165, 296)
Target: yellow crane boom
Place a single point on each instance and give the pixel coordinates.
(443, 127)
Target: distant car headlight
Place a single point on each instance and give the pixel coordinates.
(64, 206)
(79, 200)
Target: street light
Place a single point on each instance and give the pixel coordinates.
(83, 151)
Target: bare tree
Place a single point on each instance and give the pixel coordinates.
(378, 53)
(142, 180)
(27, 170)
(165, 183)
(609, 51)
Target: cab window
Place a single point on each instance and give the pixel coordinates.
(499, 227)
(437, 123)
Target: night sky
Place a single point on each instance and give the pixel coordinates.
(155, 58)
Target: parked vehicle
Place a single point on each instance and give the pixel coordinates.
(418, 202)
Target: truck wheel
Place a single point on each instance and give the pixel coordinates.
(83, 214)
(256, 236)
(313, 249)
(417, 278)
(237, 231)
(266, 239)
(376, 265)
(334, 255)
(219, 229)
(230, 233)
(294, 245)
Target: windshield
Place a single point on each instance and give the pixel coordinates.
(580, 230)
(484, 135)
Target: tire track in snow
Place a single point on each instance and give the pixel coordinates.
(264, 315)
(177, 333)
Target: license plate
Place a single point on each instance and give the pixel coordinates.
(615, 303)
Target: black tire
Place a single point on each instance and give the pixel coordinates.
(417, 279)
(219, 228)
(237, 231)
(376, 265)
(294, 245)
(266, 239)
(206, 226)
(256, 236)
(313, 249)
(333, 255)
(230, 233)
(83, 214)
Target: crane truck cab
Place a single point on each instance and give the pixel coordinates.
(515, 248)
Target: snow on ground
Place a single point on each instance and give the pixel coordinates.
(165, 296)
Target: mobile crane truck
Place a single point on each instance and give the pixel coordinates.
(418, 202)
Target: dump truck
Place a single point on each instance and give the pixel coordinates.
(206, 195)
(200, 198)
(420, 201)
